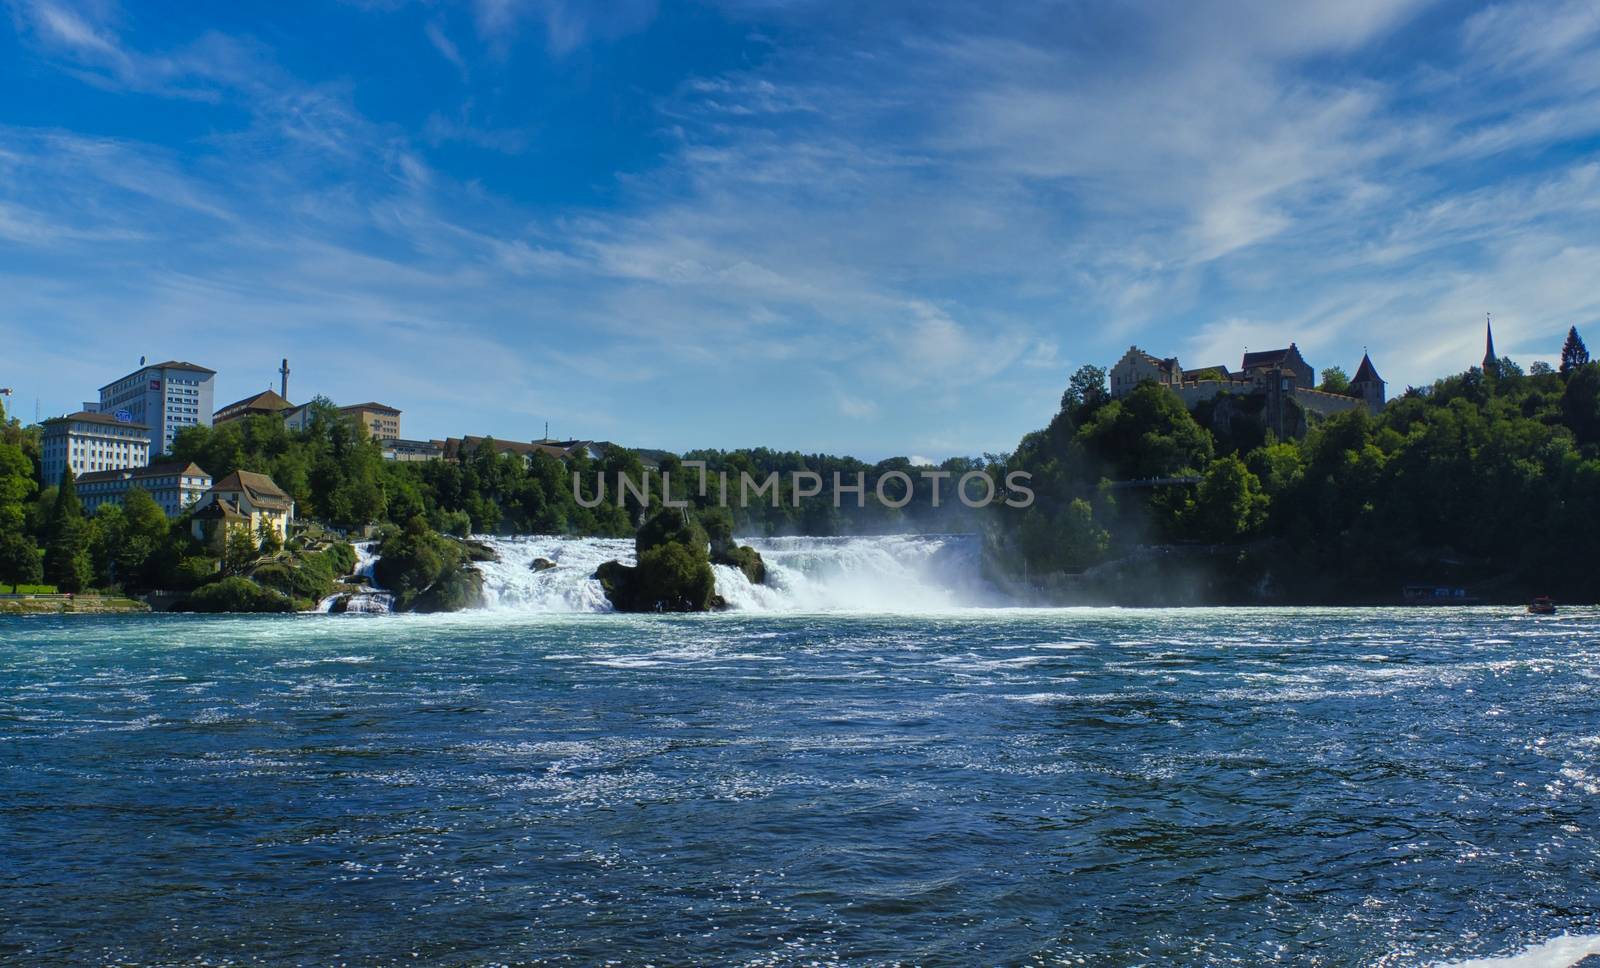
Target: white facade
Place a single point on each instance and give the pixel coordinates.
(89, 442)
(165, 397)
(175, 487)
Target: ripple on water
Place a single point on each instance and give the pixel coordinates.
(1089, 786)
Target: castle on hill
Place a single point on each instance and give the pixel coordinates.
(1279, 376)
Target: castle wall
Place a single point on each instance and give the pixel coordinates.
(1194, 392)
(1326, 404)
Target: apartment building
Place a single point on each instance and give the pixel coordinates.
(175, 486)
(381, 422)
(89, 442)
(165, 397)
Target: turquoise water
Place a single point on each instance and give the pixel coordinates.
(1209, 787)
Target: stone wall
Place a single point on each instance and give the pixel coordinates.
(1194, 391)
(1326, 404)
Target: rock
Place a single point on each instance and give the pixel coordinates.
(478, 551)
(674, 571)
(541, 564)
(725, 551)
(746, 559)
(452, 593)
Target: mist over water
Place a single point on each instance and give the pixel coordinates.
(881, 573)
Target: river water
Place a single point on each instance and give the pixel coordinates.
(939, 786)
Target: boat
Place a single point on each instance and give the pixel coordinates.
(1542, 606)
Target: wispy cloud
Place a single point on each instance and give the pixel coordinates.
(567, 24)
(869, 205)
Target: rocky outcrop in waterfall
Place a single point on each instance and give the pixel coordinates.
(428, 571)
(673, 573)
(718, 523)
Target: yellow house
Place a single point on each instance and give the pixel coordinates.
(242, 498)
(382, 422)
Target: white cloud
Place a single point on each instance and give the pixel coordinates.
(568, 24)
(445, 46)
(969, 203)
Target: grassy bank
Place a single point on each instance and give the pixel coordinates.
(69, 605)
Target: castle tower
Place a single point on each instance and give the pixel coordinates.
(1368, 385)
(1491, 363)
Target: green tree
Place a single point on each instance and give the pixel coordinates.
(1580, 403)
(239, 550)
(106, 538)
(16, 486)
(19, 559)
(267, 540)
(1148, 433)
(1086, 391)
(1229, 503)
(1335, 380)
(1574, 355)
(66, 552)
(146, 534)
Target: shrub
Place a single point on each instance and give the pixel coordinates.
(342, 557)
(424, 570)
(236, 594)
(674, 571)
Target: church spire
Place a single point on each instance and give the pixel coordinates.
(1491, 363)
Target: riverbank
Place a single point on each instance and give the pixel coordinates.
(70, 605)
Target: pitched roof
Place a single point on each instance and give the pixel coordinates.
(179, 365)
(95, 477)
(219, 508)
(401, 442)
(87, 416)
(1266, 357)
(454, 447)
(369, 406)
(1201, 370)
(176, 468)
(1168, 365)
(259, 488)
(168, 365)
(1366, 372)
(268, 400)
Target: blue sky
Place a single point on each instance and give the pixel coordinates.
(875, 228)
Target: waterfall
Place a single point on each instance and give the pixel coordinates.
(882, 573)
(514, 583)
(374, 601)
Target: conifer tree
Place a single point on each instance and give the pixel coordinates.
(1573, 353)
(66, 552)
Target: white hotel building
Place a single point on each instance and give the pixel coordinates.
(165, 397)
(175, 486)
(89, 442)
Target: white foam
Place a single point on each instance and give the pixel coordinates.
(1559, 952)
(884, 573)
